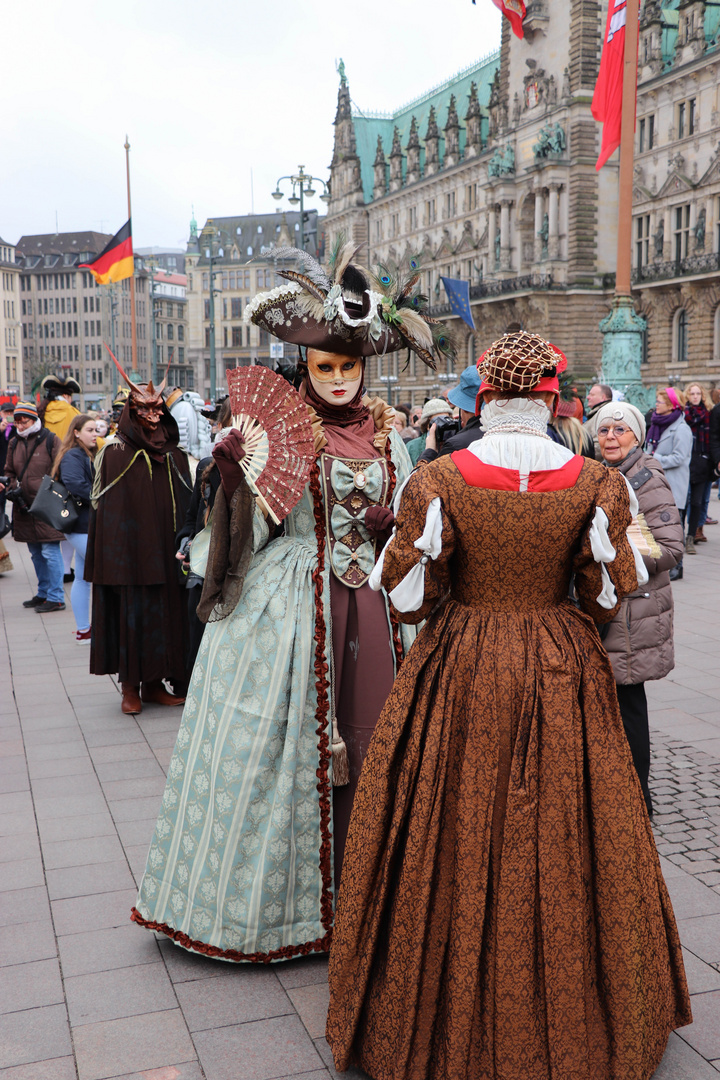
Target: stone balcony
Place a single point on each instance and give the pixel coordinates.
(692, 266)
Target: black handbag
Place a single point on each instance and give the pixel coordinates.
(5, 524)
(701, 470)
(55, 506)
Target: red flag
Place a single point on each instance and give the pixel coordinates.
(607, 99)
(515, 11)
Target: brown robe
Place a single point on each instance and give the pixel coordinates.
(502, 911)
(139, 606)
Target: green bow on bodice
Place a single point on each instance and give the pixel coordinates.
(343, 558)
(342, 521)
(343, 480)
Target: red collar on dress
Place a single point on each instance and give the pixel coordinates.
(477, 474)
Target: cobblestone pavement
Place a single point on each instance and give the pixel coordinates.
(85, 995)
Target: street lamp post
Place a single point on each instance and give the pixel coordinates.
(302, 183)
(209, 233)
(152, 267)
(390, 381)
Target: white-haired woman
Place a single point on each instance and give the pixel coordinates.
(639, 639)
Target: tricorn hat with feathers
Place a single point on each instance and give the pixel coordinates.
(349, 310)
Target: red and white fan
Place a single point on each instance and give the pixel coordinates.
(279, 443)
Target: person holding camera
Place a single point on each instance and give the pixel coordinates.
(30, 457)
(431, 409)
(448, 434)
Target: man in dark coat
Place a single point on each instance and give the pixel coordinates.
(141, 495)
(30, 456)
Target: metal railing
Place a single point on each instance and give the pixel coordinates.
(663, 271)
(501, 287)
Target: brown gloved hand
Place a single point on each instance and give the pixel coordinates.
(379, 520)
(227, 454)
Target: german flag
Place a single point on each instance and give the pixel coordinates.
(116, 261)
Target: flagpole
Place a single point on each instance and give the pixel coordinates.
(132, 279)
(623, 329)
(627, 140)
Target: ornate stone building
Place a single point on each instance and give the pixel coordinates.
(491, 178)
(676, 198)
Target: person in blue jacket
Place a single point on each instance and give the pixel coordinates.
(74, 467)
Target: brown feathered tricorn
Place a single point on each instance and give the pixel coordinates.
(350, 310)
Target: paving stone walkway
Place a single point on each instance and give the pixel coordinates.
(86, 995)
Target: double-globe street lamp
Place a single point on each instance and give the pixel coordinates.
(302, 186)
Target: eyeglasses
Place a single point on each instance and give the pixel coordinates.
(618, 429)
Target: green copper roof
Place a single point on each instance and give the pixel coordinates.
(369, 125)
(671, 18)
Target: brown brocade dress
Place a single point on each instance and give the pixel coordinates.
(502, 911)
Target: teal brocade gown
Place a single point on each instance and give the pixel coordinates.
(240, 866)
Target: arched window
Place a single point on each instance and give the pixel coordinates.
(471, 357)
(716, 334)
(680, 336)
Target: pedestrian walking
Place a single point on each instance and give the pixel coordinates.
(57, 412)
(74, 467)
(502, 911)
(30, 456)
(669, 440)
(697, 416)
(639, 639)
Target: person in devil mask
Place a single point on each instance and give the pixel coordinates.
(140, 497)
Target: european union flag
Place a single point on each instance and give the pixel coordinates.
(458, 294)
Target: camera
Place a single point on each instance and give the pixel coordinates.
(16, 497)
(446, 427)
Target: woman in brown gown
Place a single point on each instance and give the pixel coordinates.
(502, 912)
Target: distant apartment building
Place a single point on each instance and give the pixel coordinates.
(67, 318)
(242, 265)
(170, 330)
(11, 374)
(172, 260)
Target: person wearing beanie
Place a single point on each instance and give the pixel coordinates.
(639, 639)
(431, 409)
(30, 455)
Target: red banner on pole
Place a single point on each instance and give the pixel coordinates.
(607, 99)
(515, 12)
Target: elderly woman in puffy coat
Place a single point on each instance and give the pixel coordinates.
(639, 640)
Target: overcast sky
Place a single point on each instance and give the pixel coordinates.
(206, 92)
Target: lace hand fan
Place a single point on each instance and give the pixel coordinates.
(279, 443)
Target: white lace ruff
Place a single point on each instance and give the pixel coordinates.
(516, 437)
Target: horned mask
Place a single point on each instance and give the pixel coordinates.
(145, 400)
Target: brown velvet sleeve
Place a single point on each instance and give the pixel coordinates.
(401, 555)
(614, 498)
(229, 554)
